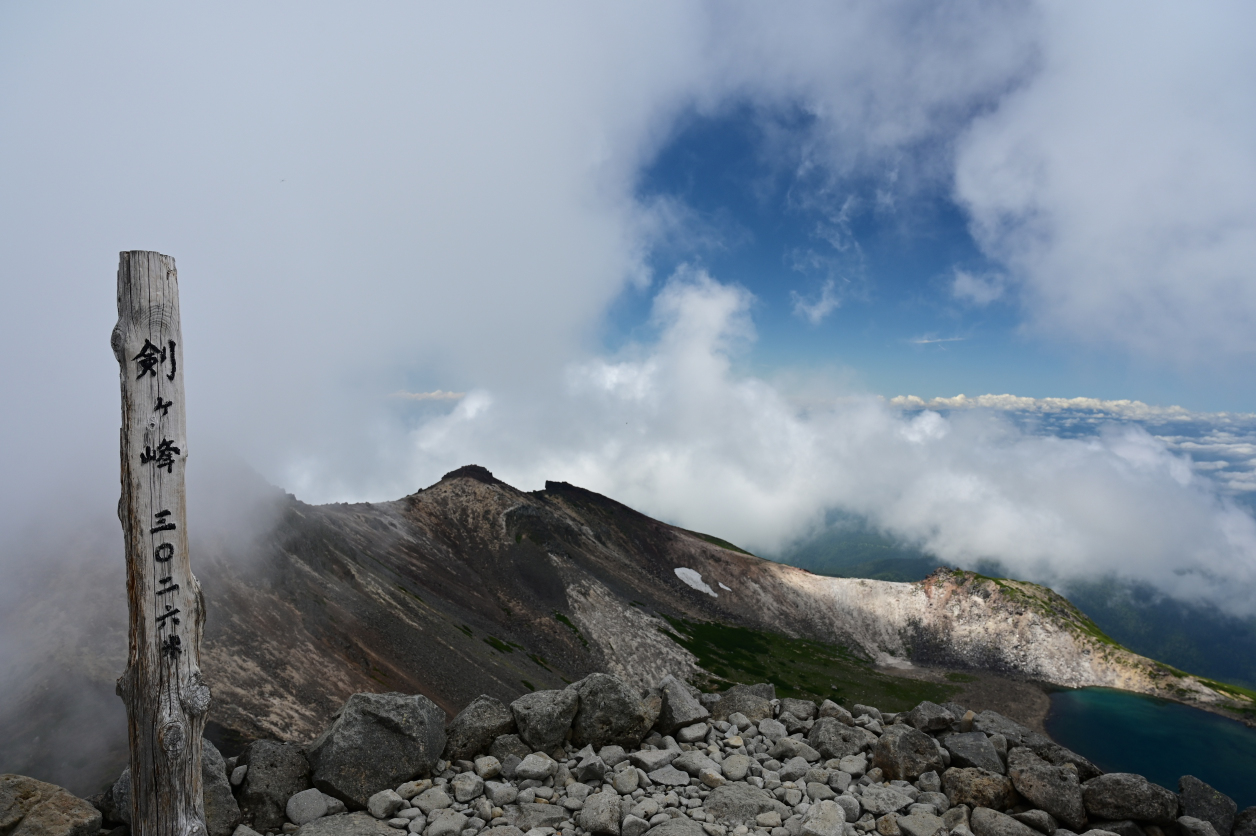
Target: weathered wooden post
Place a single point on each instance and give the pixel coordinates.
(166, 699)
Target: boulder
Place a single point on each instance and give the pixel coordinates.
(1192, 826)
(669, 776)
(544, 718)
(1123, 795)
(445, 823)
(824, 818)
(347, 824)
(744, 699)
(222, 812)
(384, 804)
(677, 827)
(880, 800)
(537, 766)
(789, 747)
(773, 730)
(601, 813)
(987, 822)
(475, 728)
(1124, 827)
(802, 709)
(539, 815)
(431, 800)
(741, 803)
(120, 797)
(376, 740)
(610, 713)
(991, 722)
(36, 808)
(834, 739)
(929, 716)
(693, 762)
(506, 745)
(978, 788)
(1054, 789)
(735, 767)
(306, 806)
(1058, 755)
(859, 710)
(828, 708)
(921, 824)
(679, 707)
(903, 753)
(1201, 801)
(276, 772)
(467, 786)
(1245, 823)
(973, 749)
(1039, 820)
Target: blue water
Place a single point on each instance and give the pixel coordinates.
(1124, 732)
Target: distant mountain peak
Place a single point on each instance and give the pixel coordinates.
(473, 471)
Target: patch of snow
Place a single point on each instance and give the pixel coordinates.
(726, 588)
(694, 580)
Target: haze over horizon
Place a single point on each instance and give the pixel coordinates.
(684, 254)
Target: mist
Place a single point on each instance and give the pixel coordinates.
(370, 206)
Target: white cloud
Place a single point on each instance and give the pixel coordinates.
(437, 395)
(1118, 183)
(816, 309)
(671, 429)
(977, 290)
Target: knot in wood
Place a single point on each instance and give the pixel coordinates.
(172, 738)
(195, 827)
(116, 341)
(196, 698)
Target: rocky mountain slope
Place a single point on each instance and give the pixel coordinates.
(471, 586)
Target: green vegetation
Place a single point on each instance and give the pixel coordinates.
(797, 667)
(464, 628)
(716, 541)
(566, 622)
(528, 685)
(540, 660)
(502, 646)
(956, 676)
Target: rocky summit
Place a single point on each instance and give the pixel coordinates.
(600, 758)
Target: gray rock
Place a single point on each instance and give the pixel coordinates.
(789, 747)
(488, 767)
(652, 759)
(276, 772)
(929, 781)
(793, 769)
(306, 806)
(544, 717)
(445, 823)
(30, 807)
(679, 707)
(609, 713)
(858, 710)
(820, 792)
(499, 795)
(222, 812)
(693, 734)
(431, 800)
(879, 800)
(475, 728)
(855, 765)
(1056, 754)
(346, 824)
(677, 827)
(1192, 826)
(834, 739)
(693, 762)
(1054, 789)
(922, 824)
(245, 830)
(466, 786)
(744, 699)
(824, 818)
(802, 709)
(601, 814)
(978, 788)
(1039, 820)
(507, 745)
(537, 766)
(987, 822)
(384, 804)
(737, 803)
(669, 776)
(1201, 801)
(903, 752)
(991, 722)
(376, 740)
(850, 805)
(539, 815)
(955, 817)
(237, 775)
(937, 800)
(736, 767)
(612, 756)
(1245, 823)
(633, 826)
(1124, 827)
(503, 830)
(828, 708)
(773, 730)
(973, 749)
(929, 716)
(1123, 795)
(626, 780)
(590, 769)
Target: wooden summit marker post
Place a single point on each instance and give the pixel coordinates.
(166, 699)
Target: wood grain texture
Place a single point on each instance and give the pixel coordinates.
(166, 698)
